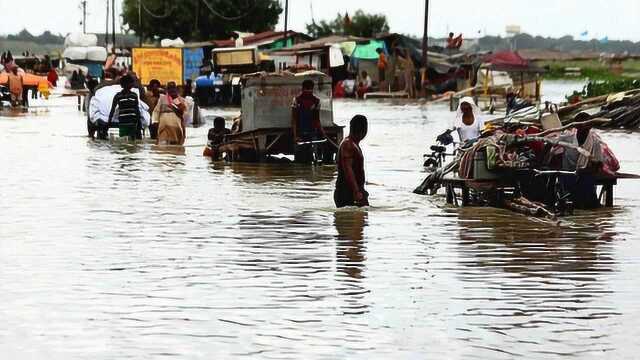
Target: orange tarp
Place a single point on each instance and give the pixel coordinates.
(28, 79)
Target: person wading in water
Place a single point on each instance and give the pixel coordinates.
(127, 102)
(351, 179)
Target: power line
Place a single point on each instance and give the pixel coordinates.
(227, 18)
(168, 10)
(83, 4)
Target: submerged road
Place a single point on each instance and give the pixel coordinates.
(113, 251)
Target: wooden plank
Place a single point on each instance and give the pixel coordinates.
(608, 196)
(466, 198)
(273, 143)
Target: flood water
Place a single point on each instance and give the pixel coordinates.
(114, 251)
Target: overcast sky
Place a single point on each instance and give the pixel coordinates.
(617, 19)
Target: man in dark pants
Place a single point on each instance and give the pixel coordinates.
(350, 189)
(305, 118)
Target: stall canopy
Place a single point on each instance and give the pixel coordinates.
(366, 50)
(509, 61)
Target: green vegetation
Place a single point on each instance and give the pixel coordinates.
(591, 69)
(361, 24)
(599, 88)
(564, 44)
(196, 20)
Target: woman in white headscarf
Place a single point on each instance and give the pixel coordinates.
(469, 121)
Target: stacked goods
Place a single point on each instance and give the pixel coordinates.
(80, 40)
(90, 53)
(75, 53)
(622, 109)
(82, 54)
(530, 160)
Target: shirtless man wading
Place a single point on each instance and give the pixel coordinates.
(350, 189)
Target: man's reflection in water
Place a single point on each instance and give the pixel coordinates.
(350, 256)
(349, 246)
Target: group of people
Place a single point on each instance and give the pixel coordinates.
(357, 86)
(6, 58)
(353, 86)
(20, 82)
(165, 109)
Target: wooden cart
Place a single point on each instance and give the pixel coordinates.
(266, 118)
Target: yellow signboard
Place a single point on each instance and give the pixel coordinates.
(162, 64)
(237, 57)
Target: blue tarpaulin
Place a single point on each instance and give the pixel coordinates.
(192, 60)
(95, 69)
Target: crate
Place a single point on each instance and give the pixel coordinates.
(480, 170)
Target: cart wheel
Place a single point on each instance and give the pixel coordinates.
(328, 155)
(303, 155)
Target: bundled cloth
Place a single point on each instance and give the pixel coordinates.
(578, 149)
(100, 106)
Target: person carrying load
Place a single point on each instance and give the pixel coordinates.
(127, 102)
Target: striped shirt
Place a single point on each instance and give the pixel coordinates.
(128, 107)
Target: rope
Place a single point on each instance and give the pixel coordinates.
(167, 10)
(235, 18)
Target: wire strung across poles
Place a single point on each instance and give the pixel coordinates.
(168, 11)
(227, 18)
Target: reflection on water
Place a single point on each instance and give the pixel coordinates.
(350, 257)
(112, 250)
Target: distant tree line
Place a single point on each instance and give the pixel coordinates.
(565, 44)
(46, 38)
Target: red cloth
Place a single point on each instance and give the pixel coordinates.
(308, 107)
(610, 165)
(338, 90)
(506, 58)
(52, 77)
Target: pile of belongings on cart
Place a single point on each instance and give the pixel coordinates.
(623, 109)
(535, 161)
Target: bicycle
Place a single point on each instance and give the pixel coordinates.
(558, 197)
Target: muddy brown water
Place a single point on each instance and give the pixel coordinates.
(136, 252)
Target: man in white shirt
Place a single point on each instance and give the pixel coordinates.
(365, 84)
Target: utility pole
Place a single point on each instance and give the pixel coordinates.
(140, 21)
(286, 21)
(106, 31)
(425, 37)
(113, 24)
(84, 16)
